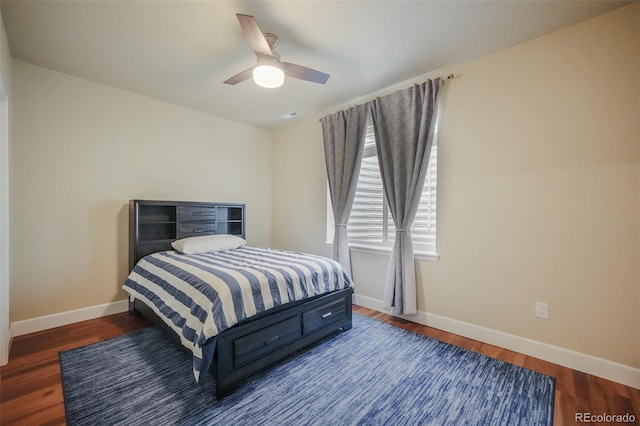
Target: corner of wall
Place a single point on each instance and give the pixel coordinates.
(5, 138)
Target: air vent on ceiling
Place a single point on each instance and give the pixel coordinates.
(291, 114)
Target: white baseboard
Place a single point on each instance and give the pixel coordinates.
(600, 367)
(589, 364)
(6, 349)
(46, 322)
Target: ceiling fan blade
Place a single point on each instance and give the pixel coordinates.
(304, 73)
(254, 35)
(240, 77)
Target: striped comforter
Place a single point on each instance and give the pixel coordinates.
(199, 296)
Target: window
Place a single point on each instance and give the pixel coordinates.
(370, 223)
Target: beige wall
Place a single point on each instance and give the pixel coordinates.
(81, 150)
(299, 188)
(538, 186)
(5, 98)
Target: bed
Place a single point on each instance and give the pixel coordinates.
(235, 309)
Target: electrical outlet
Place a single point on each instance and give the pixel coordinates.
(542, 310)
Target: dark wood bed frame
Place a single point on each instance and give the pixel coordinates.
(252, 344)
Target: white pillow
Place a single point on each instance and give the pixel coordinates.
(207, 243)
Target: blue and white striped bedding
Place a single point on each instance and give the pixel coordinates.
(199, 296)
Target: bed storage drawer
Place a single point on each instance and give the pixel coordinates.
(246, 348)
(324, 315)
(252, 346)
(196, 213)
(196, 229)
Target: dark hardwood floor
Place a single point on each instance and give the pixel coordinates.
(31, 391)
(30, 386)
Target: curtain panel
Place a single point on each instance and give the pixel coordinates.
(403, 123)
(343, 135)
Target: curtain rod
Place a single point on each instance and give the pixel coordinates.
(444, 78)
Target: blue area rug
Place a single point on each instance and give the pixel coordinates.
(374, 374)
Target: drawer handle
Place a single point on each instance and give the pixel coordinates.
(201, 213)
(198, 231)
(271, 340)
(327, 315)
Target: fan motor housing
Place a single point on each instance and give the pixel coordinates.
(272, 39)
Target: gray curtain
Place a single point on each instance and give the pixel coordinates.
(343, 134)
(404, 123)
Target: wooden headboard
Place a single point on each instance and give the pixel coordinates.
(154, 225)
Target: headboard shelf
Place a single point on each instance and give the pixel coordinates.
(154, 225)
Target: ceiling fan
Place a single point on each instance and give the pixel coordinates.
(270, 70)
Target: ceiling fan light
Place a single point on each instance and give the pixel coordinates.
(269, 76)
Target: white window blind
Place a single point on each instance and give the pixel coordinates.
(370, 222)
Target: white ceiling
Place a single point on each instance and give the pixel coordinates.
(182, 51)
